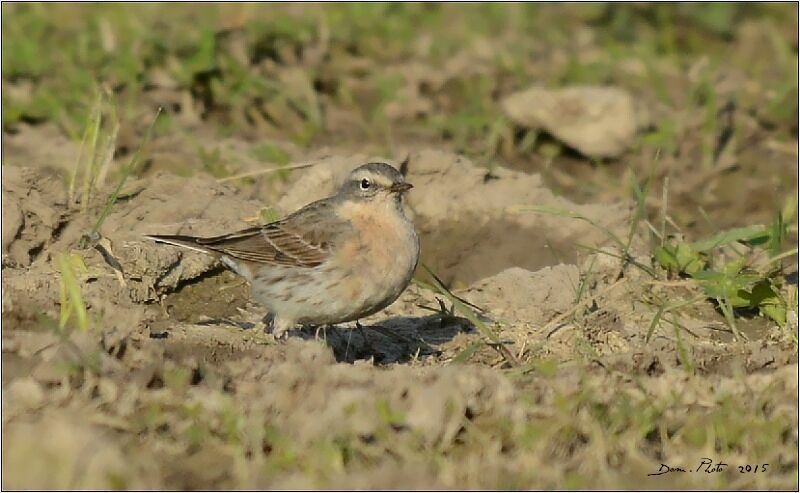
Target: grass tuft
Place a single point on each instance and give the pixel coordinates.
(438, 286)
(132, 166)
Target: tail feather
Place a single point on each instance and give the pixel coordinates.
(189, 242)
(192, 243)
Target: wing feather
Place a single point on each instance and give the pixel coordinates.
(303, 239)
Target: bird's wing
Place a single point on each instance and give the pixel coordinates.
(303, 239)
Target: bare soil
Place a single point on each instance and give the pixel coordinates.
(172, 387)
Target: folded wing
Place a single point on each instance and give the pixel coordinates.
(303, 239)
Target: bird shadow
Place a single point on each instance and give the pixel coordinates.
(393, 340)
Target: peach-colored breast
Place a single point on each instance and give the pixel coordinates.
(382, 255)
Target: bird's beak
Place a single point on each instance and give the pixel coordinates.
(401, 187)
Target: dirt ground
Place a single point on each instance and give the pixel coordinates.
(172, 374)
(167, 383)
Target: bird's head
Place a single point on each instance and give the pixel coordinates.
(374, 181)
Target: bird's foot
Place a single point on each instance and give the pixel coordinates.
(280, 335)
(278, 327)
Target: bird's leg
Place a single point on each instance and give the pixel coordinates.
(324, 329)
(363, 333)
(266, 324)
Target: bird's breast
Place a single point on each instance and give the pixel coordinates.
(383, 250)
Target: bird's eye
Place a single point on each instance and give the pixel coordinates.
(365, 184)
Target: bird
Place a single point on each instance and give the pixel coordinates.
(335, 260)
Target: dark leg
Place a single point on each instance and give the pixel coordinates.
(268, 323)
(363, 333)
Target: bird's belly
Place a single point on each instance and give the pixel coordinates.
(362, 278)
(303, 296)
(329, 297)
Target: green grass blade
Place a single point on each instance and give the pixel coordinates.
(79, 163)
(72, 290)
(125, 173)
(654, 322)
(107, 147)
(624, 258)
(89, 170)
(639, 195)
(66, 309)
(584, 281)
(727, 311)
(666, 308)
(746, 233)
(683, 353)
(555, 211)
(776, 258)
(467, 353)
(471, 316)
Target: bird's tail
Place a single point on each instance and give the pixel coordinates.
(189, 242)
